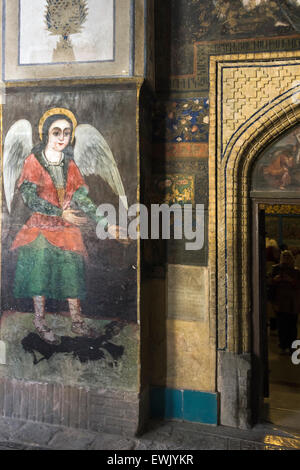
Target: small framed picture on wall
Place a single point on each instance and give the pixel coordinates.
(48, 39)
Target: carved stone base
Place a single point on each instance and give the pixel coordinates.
(234, 384)
(111, 411)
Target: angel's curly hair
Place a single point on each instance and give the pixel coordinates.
(45, 134)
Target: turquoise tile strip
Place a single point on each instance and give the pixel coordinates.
(200, 407)
(188, 405)
(166, 403)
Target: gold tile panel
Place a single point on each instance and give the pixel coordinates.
(246, 89)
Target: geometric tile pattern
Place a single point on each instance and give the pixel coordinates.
(248, 88)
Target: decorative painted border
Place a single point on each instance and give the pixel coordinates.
(288, 210)
(182, 150)
(204, 50)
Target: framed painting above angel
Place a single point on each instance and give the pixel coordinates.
(47, 39)
(66, 31)
(50, 176)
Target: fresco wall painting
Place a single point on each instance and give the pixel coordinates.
(278, 168)
(69, 299)
(227, 27)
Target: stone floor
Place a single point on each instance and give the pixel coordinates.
(282, 407)
(168, 436)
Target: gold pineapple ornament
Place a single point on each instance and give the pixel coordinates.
(64, 18)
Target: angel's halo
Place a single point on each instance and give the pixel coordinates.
(52, 112)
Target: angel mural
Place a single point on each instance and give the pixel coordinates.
(50, 177)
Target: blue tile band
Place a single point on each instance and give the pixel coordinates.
(187, 405)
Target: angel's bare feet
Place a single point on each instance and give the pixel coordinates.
(40, 322)
(44, 332)
(80, 328)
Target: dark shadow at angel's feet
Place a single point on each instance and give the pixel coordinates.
(81, 347)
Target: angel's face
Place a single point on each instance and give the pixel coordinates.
(59, 135)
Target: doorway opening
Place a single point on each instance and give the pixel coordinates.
(278, 243)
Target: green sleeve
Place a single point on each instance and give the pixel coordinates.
(84, 203)
(37, 204)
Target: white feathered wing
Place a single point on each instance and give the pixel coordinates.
(17, 146)
(93, 156)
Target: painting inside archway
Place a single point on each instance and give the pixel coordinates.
(278, 168)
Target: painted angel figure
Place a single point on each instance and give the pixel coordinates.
(50, 177)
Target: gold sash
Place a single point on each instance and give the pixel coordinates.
(61, 195)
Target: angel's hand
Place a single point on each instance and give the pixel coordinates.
(71, 216)
(119, 233)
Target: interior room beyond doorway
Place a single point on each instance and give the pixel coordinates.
(282, 233)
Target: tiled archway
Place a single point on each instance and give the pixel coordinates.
(253, 100)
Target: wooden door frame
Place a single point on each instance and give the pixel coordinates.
(257, 326)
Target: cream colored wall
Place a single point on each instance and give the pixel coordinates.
(182, 340)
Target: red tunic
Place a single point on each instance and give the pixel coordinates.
(56, 230)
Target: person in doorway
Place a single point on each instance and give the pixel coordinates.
(286, 294)
(272, 258)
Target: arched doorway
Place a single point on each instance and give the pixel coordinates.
(237, 139)
(275, 194)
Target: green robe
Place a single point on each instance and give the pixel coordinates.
(42, 268)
